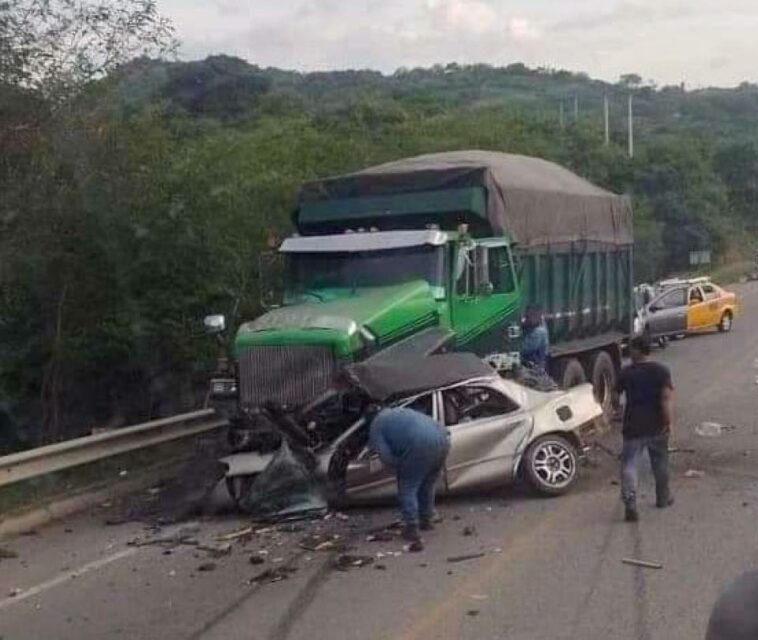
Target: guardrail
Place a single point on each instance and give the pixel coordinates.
(72, 453)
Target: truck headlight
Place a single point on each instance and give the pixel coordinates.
(223, 387)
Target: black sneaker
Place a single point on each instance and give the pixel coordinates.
(631, 515)
(662, 504)
(426, 525)
(410, 533)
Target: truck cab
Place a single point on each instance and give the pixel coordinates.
(348, 296)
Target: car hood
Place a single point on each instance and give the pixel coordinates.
(375, 314)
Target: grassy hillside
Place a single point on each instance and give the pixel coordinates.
(133, 209)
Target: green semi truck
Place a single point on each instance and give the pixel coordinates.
(442, 252)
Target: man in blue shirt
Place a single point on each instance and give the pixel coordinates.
(416, 447)
(535, 342)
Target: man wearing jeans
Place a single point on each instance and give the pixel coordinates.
(416, 447)
(647, 425)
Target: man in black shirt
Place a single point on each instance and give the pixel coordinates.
(647, 424)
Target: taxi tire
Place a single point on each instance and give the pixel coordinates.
(725, 324)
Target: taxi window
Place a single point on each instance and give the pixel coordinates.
(710, 292)
(673, 299)
(696, 295)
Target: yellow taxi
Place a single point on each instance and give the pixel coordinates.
(710, 306)
(687, 306)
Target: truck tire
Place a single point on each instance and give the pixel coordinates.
(550, 465)
(569, 373)
(603, 378)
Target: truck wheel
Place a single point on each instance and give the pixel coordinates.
(550, 465)
(603, 378)
(725, 325)
(570, 373)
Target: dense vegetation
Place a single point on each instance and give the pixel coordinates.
(136, 196)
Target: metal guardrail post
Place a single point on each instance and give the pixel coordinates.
(72, 453)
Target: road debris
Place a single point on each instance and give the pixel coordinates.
(414, 547)
(468, 531)
(319, 542)
(380, 567)
(273, 575)
(681, 450)
(15, 592)
(216, 550)
(346, 561)
(642, 563)
(381, 536)
(472, 613)
(694, 473)
(468, 556)
(247, 532)
(257, 559)
(7, 554)
(712, 429)
(207, 566)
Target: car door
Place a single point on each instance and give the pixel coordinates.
(714, 301)
(668, 313)
(486, 429)
(698, 313)
(367, 478)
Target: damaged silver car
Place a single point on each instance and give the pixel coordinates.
(500, 431)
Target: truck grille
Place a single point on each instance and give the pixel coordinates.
(290, 375)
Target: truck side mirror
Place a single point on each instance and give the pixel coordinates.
(215, 323)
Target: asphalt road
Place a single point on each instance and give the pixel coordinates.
(550, 569)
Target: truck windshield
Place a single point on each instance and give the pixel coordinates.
(308, 271)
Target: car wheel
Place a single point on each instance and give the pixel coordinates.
(570, 373)
(550, 465)
(603, 378)
(725, 324)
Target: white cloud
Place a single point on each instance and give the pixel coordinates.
(522, 30)
(698, 41)
(472, 16)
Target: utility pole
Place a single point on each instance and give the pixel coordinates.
(631, 127)
(576, 108)
(606, 119)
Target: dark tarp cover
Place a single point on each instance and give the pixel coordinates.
(535, 201)
(384, 380)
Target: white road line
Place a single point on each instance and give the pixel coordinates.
(87, 568)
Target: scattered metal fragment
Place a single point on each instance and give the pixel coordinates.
(468, 556)
(319, 542)
(694, 473)
(216, 550)
(273, 575)
(345, 561)
(712, 429)
(681, 450)
(235, 535)
(642, 563)
(381, 536)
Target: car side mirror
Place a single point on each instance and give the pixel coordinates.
(654, 309)
(215, 323)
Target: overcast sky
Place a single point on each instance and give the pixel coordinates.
(700, 42)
